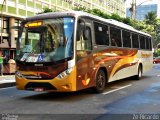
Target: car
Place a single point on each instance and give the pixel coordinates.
(156, 60)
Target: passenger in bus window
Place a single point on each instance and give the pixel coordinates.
(113, 42)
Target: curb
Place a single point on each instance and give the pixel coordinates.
(4, 85)
(7, 81)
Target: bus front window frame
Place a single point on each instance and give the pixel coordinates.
(61, 30)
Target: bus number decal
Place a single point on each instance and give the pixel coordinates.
(25, 56)
(32, 59)
(145, 55)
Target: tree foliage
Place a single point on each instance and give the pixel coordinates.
(102, 14)
(150, 24)
(151, 18)
(46, 10)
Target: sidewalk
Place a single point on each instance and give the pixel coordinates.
(7, 81)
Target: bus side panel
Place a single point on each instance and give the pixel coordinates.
(85, 70)
(146, 58)
(126, 65)
(116, 61)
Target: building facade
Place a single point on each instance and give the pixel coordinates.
(13, 11)
(143, 10)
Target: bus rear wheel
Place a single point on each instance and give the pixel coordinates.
(100, 81)
(139, 74)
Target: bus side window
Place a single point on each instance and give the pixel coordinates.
(101, 34)
(113, 42)
(142, 42)
(135, 40)
(147, 43)
(126, 38)
(115, 35)
(150, 43)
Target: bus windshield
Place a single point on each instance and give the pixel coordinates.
(46, 40)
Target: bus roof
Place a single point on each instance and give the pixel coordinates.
(80, 13)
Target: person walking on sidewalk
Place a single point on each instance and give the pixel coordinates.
(1, 64)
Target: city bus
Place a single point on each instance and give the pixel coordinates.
(74, 50)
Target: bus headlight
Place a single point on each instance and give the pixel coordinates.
(65, 73)
(19, 74)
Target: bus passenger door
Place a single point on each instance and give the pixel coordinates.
(84, 57)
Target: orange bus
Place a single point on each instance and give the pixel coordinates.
(73, 50)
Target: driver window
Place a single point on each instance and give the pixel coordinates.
(84, 41)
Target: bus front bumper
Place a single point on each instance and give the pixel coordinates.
(55, 84)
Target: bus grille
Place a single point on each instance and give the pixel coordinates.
(34, 85)
(40, 77)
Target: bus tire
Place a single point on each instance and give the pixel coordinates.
(139, 74)
(100, 81)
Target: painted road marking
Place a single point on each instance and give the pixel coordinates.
(117, 89)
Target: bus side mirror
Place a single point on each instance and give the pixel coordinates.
(82, 24)
(86, 34)
(16, 27)
(80, 28)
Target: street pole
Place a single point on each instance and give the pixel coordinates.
(2, 34)
(133, 8)
(2, 22)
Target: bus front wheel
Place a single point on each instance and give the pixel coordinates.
(100, 81)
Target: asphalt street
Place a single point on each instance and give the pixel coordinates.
(125, 99)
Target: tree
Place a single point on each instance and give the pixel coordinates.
(151, 18)
(157, 31)
(150, 25)
(117, 17)
(80, 9)
(46, 10)
(128, 21)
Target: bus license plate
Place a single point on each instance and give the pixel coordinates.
(38, 89)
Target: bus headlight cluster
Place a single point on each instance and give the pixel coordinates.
(18, 74)
(65, 73)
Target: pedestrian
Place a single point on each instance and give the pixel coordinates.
(1, 64)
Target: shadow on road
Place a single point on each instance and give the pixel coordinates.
(82, 94)
(61, 96)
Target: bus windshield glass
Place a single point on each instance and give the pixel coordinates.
(46, 40)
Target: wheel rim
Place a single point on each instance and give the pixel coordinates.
(101, 80)
(140, 73)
